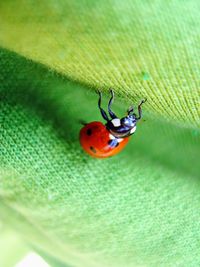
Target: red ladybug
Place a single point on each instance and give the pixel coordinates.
(102, 141)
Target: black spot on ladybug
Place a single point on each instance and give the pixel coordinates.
(93, 149)
(89, 131)
(113, 143)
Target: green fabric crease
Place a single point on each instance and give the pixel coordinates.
(139, 208)
(141, 212)
(112, 43)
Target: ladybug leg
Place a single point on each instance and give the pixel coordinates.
(113, 143)
(140, 109)
(103, 113)
(112, 114)
(82, 122)
(131, 109)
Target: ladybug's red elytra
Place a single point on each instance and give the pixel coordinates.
(102, 141)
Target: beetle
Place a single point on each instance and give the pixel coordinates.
(104, 140)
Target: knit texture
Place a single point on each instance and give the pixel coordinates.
(139, 208)
(140, 48)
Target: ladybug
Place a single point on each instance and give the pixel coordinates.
(102, 141)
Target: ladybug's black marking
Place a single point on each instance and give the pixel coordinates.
(124, 127)
(89, 132)
(93, 149)
(113, 143)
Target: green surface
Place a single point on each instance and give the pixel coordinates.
(113, 43)
(140, 208)
(12, 248)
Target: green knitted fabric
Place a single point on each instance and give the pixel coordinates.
(140, 48)
(139, 208)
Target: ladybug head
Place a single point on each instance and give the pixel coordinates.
(125, 126)
(131, 118)
(129, 121)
